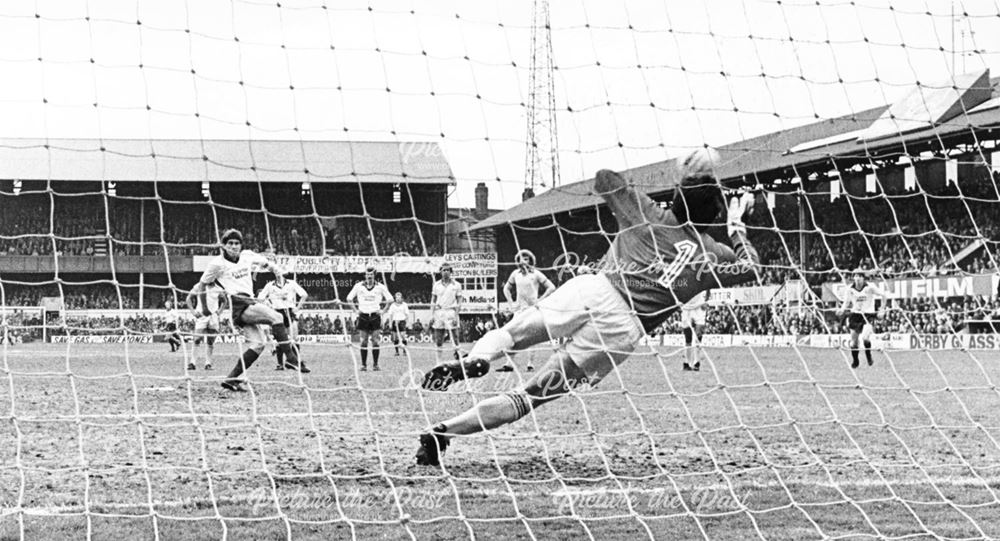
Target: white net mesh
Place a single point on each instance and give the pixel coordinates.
(338, 135)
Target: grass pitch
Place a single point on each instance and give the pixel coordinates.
(118, 442)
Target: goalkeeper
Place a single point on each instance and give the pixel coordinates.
(658, 261)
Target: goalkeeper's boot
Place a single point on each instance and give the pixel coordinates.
(432, 446)
(442, 376)
(235, 385)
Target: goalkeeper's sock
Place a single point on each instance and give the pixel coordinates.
(492, 345)
(490, 413)
(245, 362)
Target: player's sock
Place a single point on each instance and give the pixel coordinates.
(854, 356)
(281, 358)
(249, 357)
(280, 333)
(492, 345)
(375, 352)
(490, 413)
(364, 355)
(868, 352)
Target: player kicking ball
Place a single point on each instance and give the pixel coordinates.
(659, 260)
(232, 271)
(859, 300)
(206, 328)
(526, 280)
(692, 325)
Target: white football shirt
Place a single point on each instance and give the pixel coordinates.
(696, 306)
(399, 311)
(235, 278)
(863, 301)
(282, 297)
(212, 296)
(369, 300)
(447, 294)
(527, 285)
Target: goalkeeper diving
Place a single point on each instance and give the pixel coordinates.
(659, 260)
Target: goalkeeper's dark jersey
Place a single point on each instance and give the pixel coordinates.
(658, 265)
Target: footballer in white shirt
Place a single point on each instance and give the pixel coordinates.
(446, 301)
(174, 336)
(206, 328)
(692, 325)
(859, 301)
(399, 316)
(232, 270)
(287, 297)
(531, 286)
(369, 295)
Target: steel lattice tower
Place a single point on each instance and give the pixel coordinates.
(542, 155)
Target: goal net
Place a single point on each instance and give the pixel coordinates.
(404, 136)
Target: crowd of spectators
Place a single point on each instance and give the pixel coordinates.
(40, 224)
(915, 234)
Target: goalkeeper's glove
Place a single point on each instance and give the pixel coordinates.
(738, 208)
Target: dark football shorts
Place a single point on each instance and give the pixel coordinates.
(856, 322)
(240, 305)
(370, 322)
(287, 316)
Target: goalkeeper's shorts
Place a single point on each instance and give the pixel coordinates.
(601, 326)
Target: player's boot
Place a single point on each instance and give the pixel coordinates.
(208, 366)
(506, 368)
(234, 385)
(687, 367)
(375, 368)
(696, 367)
(279, 367)
(442, 376)
(191, 366)
(364, 368)
(432, 446)
(530, 368)
(300, 366)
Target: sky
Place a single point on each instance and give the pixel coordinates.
(635, 81)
